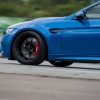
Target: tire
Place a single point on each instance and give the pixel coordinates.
(61, 63)
(29, 48)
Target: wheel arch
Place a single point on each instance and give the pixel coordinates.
(32, 30)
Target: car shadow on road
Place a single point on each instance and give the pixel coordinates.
(42, 65)
(47, 65)
(25, 65)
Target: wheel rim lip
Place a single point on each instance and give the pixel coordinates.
(32, 51)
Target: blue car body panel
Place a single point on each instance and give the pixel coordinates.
(66, 37)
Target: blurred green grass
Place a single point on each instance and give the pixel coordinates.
(36, 9)
(7, 21)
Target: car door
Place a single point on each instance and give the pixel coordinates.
(81, 38)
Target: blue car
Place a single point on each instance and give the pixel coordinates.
(59, 40)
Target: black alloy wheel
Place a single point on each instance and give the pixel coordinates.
(29, 48)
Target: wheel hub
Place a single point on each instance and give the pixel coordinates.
(30, 48)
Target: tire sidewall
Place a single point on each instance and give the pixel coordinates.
(61, 63)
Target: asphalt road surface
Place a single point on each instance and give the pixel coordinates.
(27, 87)
(76, 70)
(24, 82)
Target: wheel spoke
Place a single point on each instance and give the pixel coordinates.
(30, 48)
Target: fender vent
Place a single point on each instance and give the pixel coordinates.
(54, 31)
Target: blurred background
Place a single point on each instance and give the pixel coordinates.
(14, 11)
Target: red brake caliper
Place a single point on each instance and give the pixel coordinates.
(36, 49)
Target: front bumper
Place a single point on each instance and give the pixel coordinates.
(5, 46)
(6, 43)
